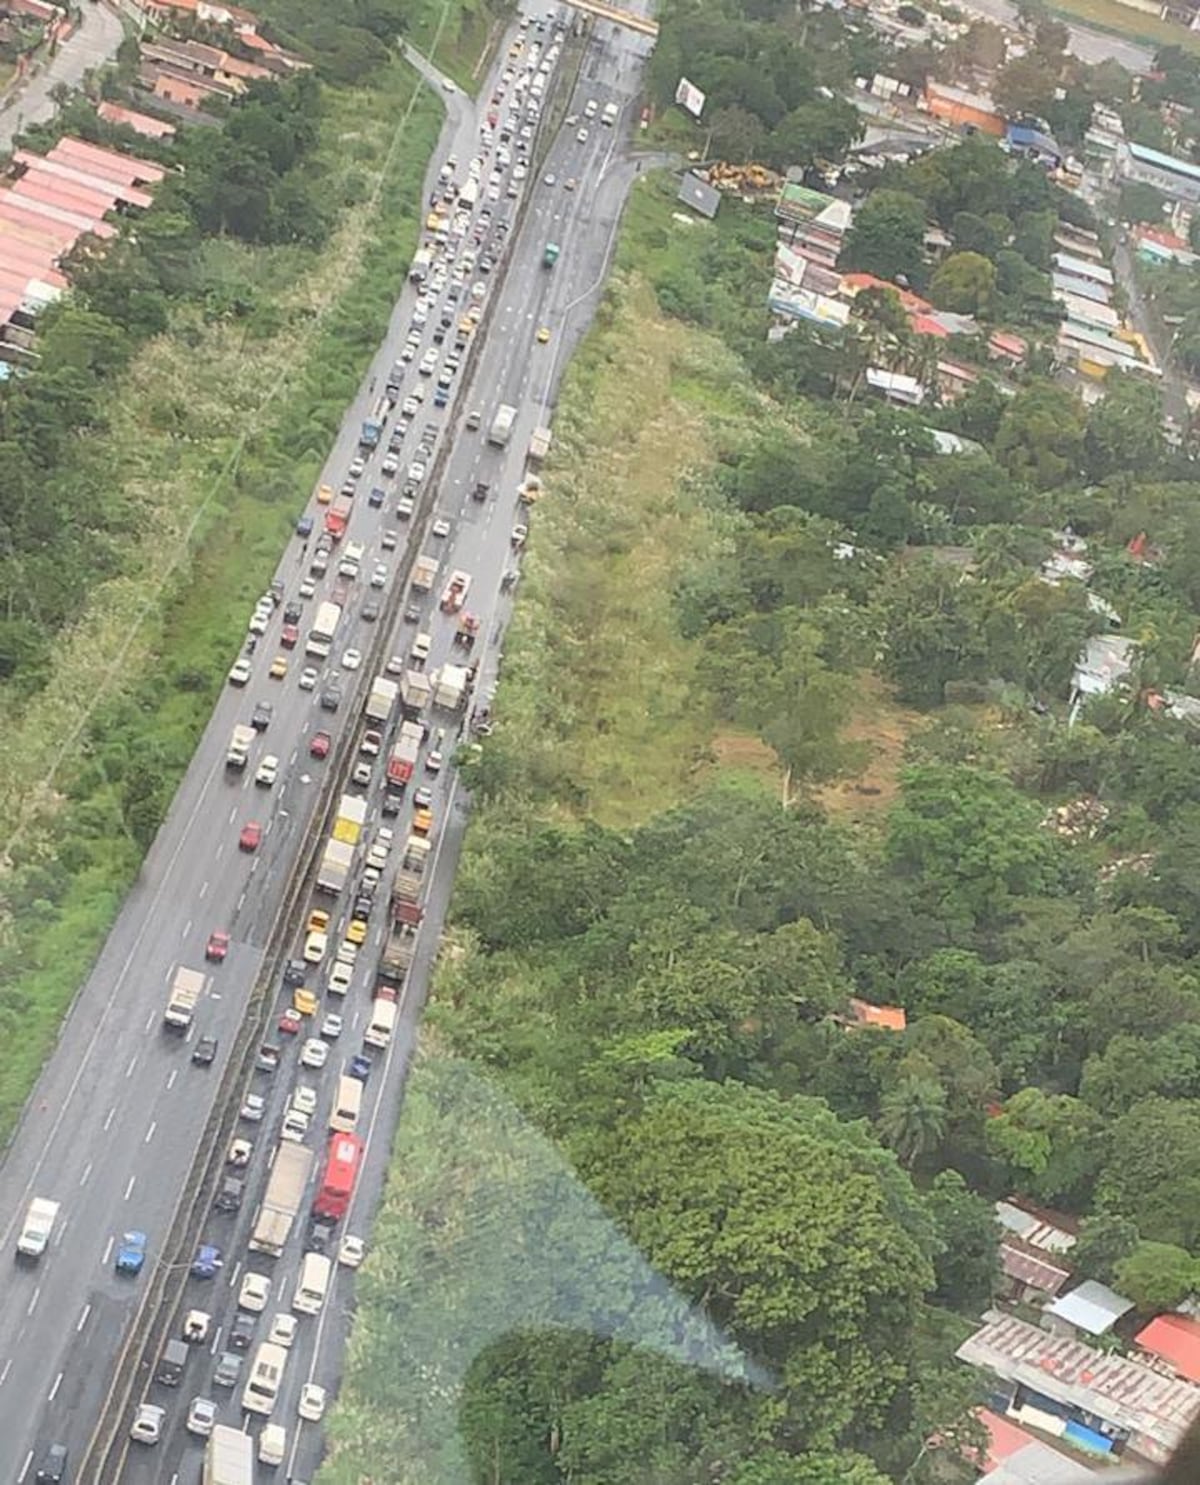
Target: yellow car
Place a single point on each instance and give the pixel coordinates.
(433, 221)
(324, 494)
(279, 667)
(422, 821)
(305, 1001)
(543, 335)
(356, 931)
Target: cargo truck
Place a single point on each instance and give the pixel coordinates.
(283, 1198)
(186, 989)
(239, 746)
(454, 594)
(321, 635)
(404, 755)
(37, 1227)
(350, 819)
(425, 574)
(372, 428)
(337, 517)
(228, 1457)
(381, 700)
(397, 956)
(502, 425)
(336, 863)
(415, 692)
(420, 266)
(539, 445)
(450, 686)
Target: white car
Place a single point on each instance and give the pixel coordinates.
(357, 465)
(428, 361)
(421, 647)
(440, 527)
(201, 1415)
(340, 978)
(331, 1026)
(239, 671)
(314, 1053)
(283, 1330)
(582, 136)
(268, 771)
(420, 318)
(254, 1293)
(590, 107)
(351, 1251)
(253, 1108)
(520, 170)
(379, 576)
(433, 762)
(308, 679)
(304, 1098)
(147, 1424)
(347, 953)
(351, 659)
(295, 1127)
(259, 622)
(312, 1403)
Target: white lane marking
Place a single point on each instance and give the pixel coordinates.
(25, 1467)
(216, 1340)
(187, 928)
(203, 889)
(233, 814)
(233, 1277)
(129, 1188)
(87, 1170)
(150, 1131)
(108, 1118)
(240, 901)
(108, 1247)
(54, 1389)
(171, 1079)
(150, 1020)
(132, 1065)
(37, 1294)
(83, 1319)
(5, 1372)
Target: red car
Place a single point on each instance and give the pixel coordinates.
(290, 1022)
(290, 636)
(217, 947)
(251, 836)
(320, 745)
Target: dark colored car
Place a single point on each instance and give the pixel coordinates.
(261, 719)
(359, 1067)
(241, 1331)
(229, 1194)
(207, 1262)
(294, 973)
(318, 1238)
(376, 498)
(52, 1467)
(293, 612)
(304, 526)
(331, 699)
(268, 1058)
(204, 1053)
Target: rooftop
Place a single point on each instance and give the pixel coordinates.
(885, 1017)
(1175, 1338)
(1092, 1306)
(1164, 162)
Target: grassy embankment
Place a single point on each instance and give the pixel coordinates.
(1123, 20)
(215, 437)
(600, 689)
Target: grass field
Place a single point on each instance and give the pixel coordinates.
(1123, 20)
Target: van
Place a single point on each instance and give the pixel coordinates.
(171, 1364)
(312, 1285)
(346, 1105)
(272, 1444)
(383, 1017)
(266, 1375)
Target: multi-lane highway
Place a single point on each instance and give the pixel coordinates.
(113, 1128)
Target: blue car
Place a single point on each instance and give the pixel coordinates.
(131, 1252)
(207, 1261)
(376, 498)
(360, 1067)
(304, 526)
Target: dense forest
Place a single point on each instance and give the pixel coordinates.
(665, 993)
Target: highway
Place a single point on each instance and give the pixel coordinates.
(113, 1127)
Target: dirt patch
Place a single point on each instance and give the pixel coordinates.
(744, 751)
(883, 727)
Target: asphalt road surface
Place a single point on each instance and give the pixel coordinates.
(115, 1121)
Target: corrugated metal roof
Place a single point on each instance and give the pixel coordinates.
(80, 175)
(127, 168)
(1175, 1338)
(1164, 162)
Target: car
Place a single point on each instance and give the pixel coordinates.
(389, 540)
(259, 623)
(590, 107)
(448, 86)
(316, 940)
(131, 1253)
(377, 496)
(52, 1466)
(361, 776)
(359, 1067)
(267, 1057)
(379, 575)
(289, 638)
(550, 179)
(207, 1262)
(347, 952)
(351, 1251)
(250, 836)
(283, 1330)
(260, 718)
(239, 671)
(324, 494)
(254, 1106)
(543, 334)
(441, 527)
(304, 526)
(331, 1026)
(319, 745)
(304, 1096)
(421, 647)
(317, 1239)
(229, 1365)
(319, 565)
(308, 678)
(314, 1053)
(239, 1154)
(519, 536)
(204, 1053)
(308, 588)
(268, 771)
(290, 1022)
(331, 698)
(279, 668)
(428, 362)
(433, 762)
(404, 507)
(351, 659)
(229, 1196)
(390, 465)
(295, 1126)
(371, 610)
(422, 822)
(254, 1292)
(570, 183)
(312, 1403)
(422, 797)
(147, 1424)
(304, 1002)
(217, 948)
(201, 1416)
(356, 931)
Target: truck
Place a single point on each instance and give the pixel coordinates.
(282, 1199)
(502, 424)
(421, 265)
(337, 517)
(397, 955)
(381, 700)
(372, 428)
(425, 574)
(36, 1228)
(336, 863)
(467, 631)
(539, 445)
(404, 755)
(228, 1457)
(454, 594)
(325, 626)
(415, 692)
(469, 194)
(550, 255)
(239, 746)
(186, 989)
(416, 854)
(350, 819)
(450, 686)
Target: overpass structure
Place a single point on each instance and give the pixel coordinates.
(628, 18)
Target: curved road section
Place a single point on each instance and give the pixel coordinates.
(114, 1125)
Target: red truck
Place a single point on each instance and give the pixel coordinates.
(338, 1177)
(337, 517)
(403, 758)
(454, 594)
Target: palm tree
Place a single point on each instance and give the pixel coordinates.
(912, 1118)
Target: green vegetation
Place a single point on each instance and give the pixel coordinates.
(185, 399)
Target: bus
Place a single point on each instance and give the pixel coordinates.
(338, 1177)
(346, 1105)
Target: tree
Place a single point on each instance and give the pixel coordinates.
(931, 629)
(1151, 1172)
(964, 283)
(1124, 429)
(1104, 1242)
(1157, 1276)
(968, 1265)
(737, 134)
(1049, 1143)
(823, 129)
(1026, 85)
(887, 237)
(912, 1118)
(1040, 437)
(1140, 202)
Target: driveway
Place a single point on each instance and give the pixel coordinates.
(95, 40)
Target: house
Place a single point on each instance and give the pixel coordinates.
(699, 195)
(971, 113)
(1099, 1402)
(1174, 1343)
(1177, 178)
(882, 1017)
(1003, 345)
(1029, 1275)
(895, 386)
(141, 123)
(1032, 143)
(1105, 662)
(1091, 1307)
(1085, 268)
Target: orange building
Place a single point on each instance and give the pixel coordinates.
(970, 112)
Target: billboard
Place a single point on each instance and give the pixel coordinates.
(688, 96)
